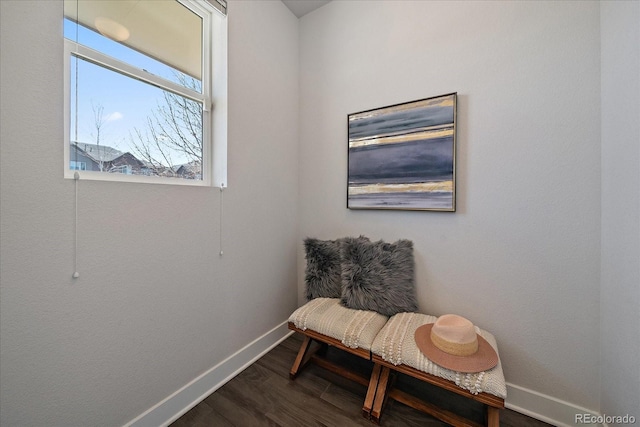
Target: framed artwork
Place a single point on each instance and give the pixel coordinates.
(404, 156)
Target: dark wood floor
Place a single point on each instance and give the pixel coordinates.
(263, 395)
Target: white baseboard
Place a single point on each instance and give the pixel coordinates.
(546, 408)
(180, 402)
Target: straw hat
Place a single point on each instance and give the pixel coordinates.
(452, 342)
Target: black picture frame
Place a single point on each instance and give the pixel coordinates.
(403, 156)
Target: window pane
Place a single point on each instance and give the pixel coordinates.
(162, 37)
(123, 125)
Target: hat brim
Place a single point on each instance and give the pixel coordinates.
(482, 360)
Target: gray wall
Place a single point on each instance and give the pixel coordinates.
(155, 306)
(521, 256)
(620, 293)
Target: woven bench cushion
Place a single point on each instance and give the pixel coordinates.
(396, 344)
(354, 328)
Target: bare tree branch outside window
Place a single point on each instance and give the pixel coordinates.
(171, 144)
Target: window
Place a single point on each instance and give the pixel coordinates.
(145, 90)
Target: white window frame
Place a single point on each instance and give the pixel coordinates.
(213, 99)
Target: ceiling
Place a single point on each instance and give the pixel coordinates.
(302, 7)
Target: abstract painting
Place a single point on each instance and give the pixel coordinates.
(403, 156)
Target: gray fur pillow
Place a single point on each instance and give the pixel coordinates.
(378, 276)
(323, 275)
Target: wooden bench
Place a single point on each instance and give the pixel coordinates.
(395, 350)
(385, 391)
(391, 350)
(327, 322)
(307, 355)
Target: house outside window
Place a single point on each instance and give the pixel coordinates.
(145, 86)
(77, 166)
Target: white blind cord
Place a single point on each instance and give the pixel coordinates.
(221, 216)
(76, 177)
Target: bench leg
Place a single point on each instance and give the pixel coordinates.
(297, 364)
(493, 417)
(371, 391)
(381, 391)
